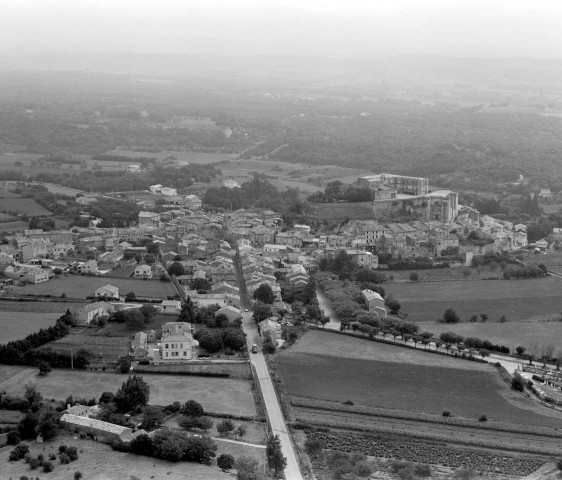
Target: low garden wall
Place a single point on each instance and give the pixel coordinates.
(231, 369)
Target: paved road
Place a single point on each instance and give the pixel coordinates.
(273, 409)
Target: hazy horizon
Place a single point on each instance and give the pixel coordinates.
(327, 29)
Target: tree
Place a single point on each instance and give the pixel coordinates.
(261, 312)
(484, 353)
(188, 312)
(133, 394)
(211, 341)
(48, 424)
(124, 363)
(130, 297)
(484, 316)
(134, 319)
(517, 383)
(225, 462)
(247, 468)
(225, 427)
(324, 320)
(201, 284)
(450, 316)
(142, 445)
(235, 340)
(151, 417)
(148, 312)
(200, 423)
(192, 408)
(274, 455)
(32, 395)
(176, 269)
(520, 350)
(264, 293)
(393, 305)
(241, 431)
(44, 367)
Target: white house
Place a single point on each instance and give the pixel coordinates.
(169, 191)
(143, 271)
(155, 188)
(107, 291)
(231, 184)
(134, 168)
(176, 343)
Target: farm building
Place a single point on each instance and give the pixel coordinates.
(107, 291)
(143, 271)
(36, 275)
(85, 315)
(101, 431)
(140, 345)
(374, 301)
(170, 307)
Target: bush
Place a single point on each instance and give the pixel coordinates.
(18, 453)
(13, 437)
(446, 413)
(77, 475)
(422, 470)
(34, 463)
(414, 277)
(517, 383)
(48, 467)
(225, 462)
(313, 446)
(64, 458)
(72, 453)
(483, 418)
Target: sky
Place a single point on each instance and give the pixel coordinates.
(325, 28)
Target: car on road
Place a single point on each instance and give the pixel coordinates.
(254, 348)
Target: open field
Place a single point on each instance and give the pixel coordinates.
(10, 227)
(319, 342)
(105, 349)
(221, 395)
(552, 260)
(84, 286)
(404, 382)
(510, 334)
(17, 325)
(38, 307)
(98, 461)
(23, 205)
(516, 299)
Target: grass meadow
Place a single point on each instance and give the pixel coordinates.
(97, 461)
(370, 377)
(515, 299)
(220, 395)
(17, 325)
(85, 286)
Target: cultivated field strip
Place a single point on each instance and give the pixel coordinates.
(508, 441)
(428, 451)
(419, 417)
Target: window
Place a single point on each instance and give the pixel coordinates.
(166, 346)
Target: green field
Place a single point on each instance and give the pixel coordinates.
(23, 205)
(516, 299)
(221, 395)
(17, 325)
(85, 286)
(403, 383)
(38, 307)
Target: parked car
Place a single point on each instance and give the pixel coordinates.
(254, 348)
